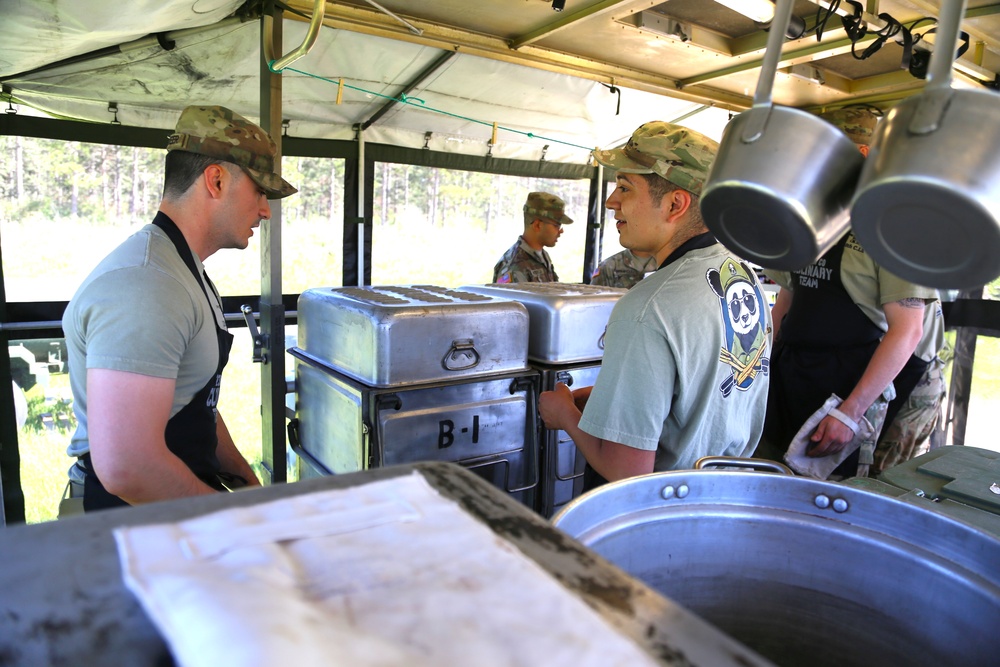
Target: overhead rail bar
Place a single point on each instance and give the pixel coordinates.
(414, 29)
(564, 21)
(315, 23)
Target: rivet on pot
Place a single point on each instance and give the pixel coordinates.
(668, 492)
(822, 501)
(682, 491)
(840, 505)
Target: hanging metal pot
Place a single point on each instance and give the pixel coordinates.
(803, 572)
(779, 189)
(927, 206)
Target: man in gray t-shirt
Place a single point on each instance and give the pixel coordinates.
(145, 331)
(685, 368)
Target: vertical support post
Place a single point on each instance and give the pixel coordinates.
(272, 311)
(960, 390)
(11, 495)
(595, 225)
(361, 206)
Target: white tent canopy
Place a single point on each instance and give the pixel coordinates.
(216, 60)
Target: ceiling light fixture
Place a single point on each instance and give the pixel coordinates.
(761, 11)
(558, 5)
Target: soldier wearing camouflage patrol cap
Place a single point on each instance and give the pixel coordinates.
(858, 123)
(146, 331)
(845, 326)
(526, 261)
(623, 269)
(685, 367)
(910, 419)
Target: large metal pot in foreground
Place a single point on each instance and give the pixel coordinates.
(804, 572)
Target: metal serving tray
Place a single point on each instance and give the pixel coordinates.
(399, 335)
(566, 320)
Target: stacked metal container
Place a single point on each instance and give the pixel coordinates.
(565, 344)
(398, 374)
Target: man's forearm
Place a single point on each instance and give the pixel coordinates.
(892, 353)
(231, 460)
(150, 480)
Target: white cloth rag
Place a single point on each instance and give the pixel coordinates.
(385, 573)
(820, 467)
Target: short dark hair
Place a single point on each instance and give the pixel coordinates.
(182, 169)
(660, 187)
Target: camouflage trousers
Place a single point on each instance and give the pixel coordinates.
(909, 434)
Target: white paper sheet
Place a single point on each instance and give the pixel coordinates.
(387, 573)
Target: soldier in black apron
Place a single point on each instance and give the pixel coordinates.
(824, 346)
(220, 166)
(191, 433)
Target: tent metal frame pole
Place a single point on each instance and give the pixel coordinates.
(273, 387)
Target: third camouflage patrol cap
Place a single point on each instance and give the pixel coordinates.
(220, 133)
(680, 155)
(545, 205)
(858, 124)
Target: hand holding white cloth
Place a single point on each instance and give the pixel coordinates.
(820, 467)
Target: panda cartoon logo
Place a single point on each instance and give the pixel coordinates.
(742, 302)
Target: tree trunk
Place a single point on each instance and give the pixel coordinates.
(104, 179)
(435, 183)
(134, 207)
(333, 190)
(386, 184)
(74, 175)
(117, 193)
(19, 169)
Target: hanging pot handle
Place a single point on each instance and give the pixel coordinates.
(937, 93)
(761, 110)
(739, 462)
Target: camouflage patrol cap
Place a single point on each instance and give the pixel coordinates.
(545, 205)
(680, 155)
(220, 133)
(857, 124)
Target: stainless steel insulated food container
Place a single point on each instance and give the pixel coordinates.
(566, 321)
(487, 424)
(398, 335)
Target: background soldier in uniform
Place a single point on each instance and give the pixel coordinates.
(624, 269)
(526, 261)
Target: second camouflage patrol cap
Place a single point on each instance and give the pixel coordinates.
(858, 124)
(545, 205)
(220, 133)
(680, 155)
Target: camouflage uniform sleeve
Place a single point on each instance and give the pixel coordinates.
(518, 273)
(601, 277)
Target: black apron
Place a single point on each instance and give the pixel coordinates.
(190, 434)
(824, 345)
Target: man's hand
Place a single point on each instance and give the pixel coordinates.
(830, 437)
(558, 408)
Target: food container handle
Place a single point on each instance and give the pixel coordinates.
(739, 462)
(461, 349)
